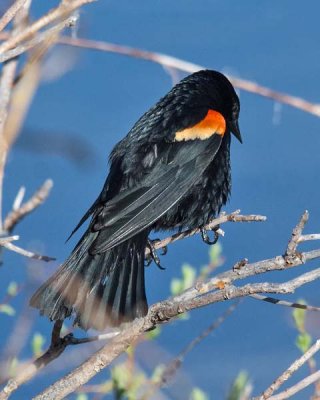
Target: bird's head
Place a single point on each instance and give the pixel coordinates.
(211, 89)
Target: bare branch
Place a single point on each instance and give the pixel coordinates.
(286, 394)
(38, 39)
(173, 63)
(6, 85)
(178, 64)
(217, 289)
(10, 13)
(26, 253)
(17, 214)
(158, 313)
(57, 347)
(171, 369)
(55, 335)
(233, 217)
(8, 239)
(311, 236)
(288, 373)
(19, 198)
(60, 12)
(26, 372)
(285, 303)
(296, 234)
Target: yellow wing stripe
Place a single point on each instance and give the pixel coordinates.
(212, 123)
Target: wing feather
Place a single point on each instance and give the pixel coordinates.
(130, 212)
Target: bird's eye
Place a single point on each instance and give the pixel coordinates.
(235, 111)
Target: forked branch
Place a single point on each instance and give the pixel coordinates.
(219, 288)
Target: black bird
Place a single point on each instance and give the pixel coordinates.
(171, 171)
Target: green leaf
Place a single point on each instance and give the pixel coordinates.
(126, 383)
(106, 387)
(135, 385)
(157, 373)
(13, 366)
(185, 316)
(238, 386)
(188, 275)
(176, 286)
(299, 317)
(37, 344)
(151, 335)
(12, 289)
(198, 394)
(303, 342)
(130, 350)
(82, 396)
(120, 377)
(215, 253)
(7, 309)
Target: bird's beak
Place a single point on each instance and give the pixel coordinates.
(234, 128)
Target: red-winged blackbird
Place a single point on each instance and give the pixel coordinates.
(171, 171)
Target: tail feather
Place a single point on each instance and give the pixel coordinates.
(122, 291)
(132, 298)
(100, 289)
(138, 289)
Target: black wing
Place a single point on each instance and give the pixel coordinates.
(176, 170)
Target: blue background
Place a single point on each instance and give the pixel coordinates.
(75, 121)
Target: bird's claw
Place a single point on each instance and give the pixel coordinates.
(205, 236)
(164, 250)
(153, 256)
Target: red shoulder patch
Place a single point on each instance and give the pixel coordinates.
(212, 123)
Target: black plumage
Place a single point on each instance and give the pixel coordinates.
(171, 171)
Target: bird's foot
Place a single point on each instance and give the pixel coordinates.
(153, 256)
(205, 236)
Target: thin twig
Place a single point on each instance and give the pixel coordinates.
(103, 336)
(296, 234)
(167, 310)
(172, 63)
(285, 303)
(26, 372)
(286, 394)
(10, 13)
(6, 85)
(57, 347)
(157, 313)
(217, 289)
(16, 215)
(178, 64)
(56, 331)
(8, 239)
(26, 253)
(311, 236)
(25, 88)
(247, 269)
(171, 369)
(57, 13)
(19, 198)
(232, 217)
(38, 39)
(288, 372)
